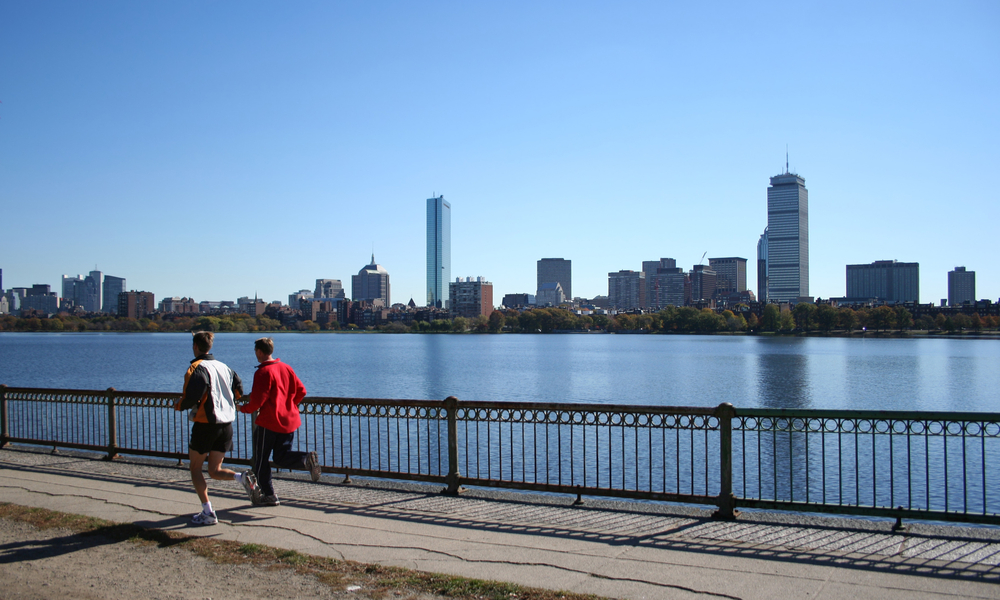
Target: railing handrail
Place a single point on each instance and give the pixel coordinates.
(878, 415)
(481, 419)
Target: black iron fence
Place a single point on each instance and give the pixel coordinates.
(926, 465)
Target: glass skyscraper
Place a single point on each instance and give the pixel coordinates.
(787, 238)
(438, 251)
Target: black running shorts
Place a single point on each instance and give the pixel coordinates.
(211, 437)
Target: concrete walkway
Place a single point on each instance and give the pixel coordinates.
(614, 549)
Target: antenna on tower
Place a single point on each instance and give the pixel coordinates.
(786, 159)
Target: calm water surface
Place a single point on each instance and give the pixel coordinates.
(886, 374)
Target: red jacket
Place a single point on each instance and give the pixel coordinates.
(277, 392)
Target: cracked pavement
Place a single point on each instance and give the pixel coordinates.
(608, 548)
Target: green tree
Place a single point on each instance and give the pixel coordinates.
(904, 320)
(497, 321)
(881, 318)
(848, 319)
(770, 320)
(826, 317)
(753, 324)
(786, 321)
(459, 324)
(207, 324)
(803, 313)
(709, 321)
(962, 321)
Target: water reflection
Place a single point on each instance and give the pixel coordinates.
(783, 376)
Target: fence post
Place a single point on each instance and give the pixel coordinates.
(4, 427)
(112, 427)
(726, 501)
(454, 478)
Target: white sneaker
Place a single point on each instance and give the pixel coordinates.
(312, 464)
(249, 481)
(203, 518)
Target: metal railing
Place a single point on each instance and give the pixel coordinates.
(892, 464)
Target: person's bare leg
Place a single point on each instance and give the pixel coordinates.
(215, 469)
(197, 478)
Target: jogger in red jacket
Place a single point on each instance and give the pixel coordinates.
(277, 392)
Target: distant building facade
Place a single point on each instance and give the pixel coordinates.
(787, 238)
(670, 286)
(626, 289)
(371, 284)
(556, 270)
(550, 293)
(961, 286)
(730, 274)
(649, 270)
(41, 298)
(179, 305)
(110, 289)
(73, 289)
(470, 298)
(330, 288)
(518, 300)
(135, 305)
(762, 267)
(438, 251)
(299, 296)
(885, 280)
(703, 283)
(93, 291)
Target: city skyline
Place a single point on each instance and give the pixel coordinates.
(606, 136)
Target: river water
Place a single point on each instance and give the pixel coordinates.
(772, 372)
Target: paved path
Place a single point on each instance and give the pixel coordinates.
(614, 549)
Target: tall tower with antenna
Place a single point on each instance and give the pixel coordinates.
(787, 243)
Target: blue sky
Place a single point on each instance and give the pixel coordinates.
(222, 149)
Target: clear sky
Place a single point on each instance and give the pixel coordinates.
(223, 149)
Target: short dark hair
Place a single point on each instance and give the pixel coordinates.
(203, 341)
(265, 345)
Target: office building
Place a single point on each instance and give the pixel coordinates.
(550, 294)
(174, 304)
(41, 298)
(518, 300)
(884, 280)
(109, 291)
(556, 270)
(670, 286)
(299, 296)
(93, 291)
(730, 274)
(135, 305)
(329, 288)
(371, 285)
(703, 283)
(626, 289)
(470, 298)
(649, 270)
(438, 251)
(73, 289)
(762, 267)
(787, 238)
(961, 286)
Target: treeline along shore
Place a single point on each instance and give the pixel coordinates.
(804, 318)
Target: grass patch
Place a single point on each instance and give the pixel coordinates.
(376, 581)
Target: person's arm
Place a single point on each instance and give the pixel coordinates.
(237, 386)
(258, 394)
(195, 386)
(300, 390)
